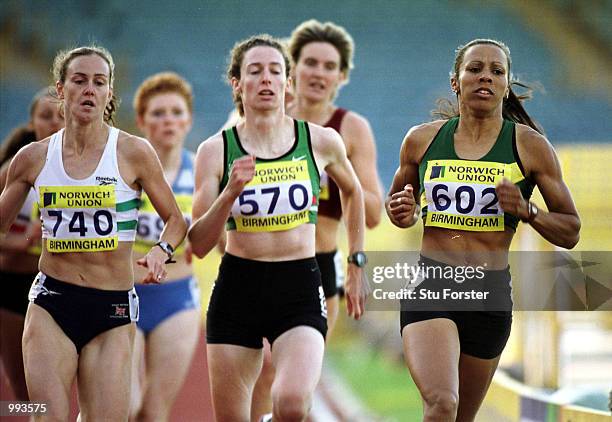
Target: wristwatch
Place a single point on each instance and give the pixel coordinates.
(532, 212)
(360, 259)
(168, 249)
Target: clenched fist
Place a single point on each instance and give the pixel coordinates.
(401, 207)
(242, 172)
(511, 199)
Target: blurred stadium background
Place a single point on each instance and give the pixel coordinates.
(404, 51)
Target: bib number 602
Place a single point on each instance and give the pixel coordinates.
(442, 199)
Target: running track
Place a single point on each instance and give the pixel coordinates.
(193, 403)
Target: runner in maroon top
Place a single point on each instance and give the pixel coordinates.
(330, 206)
(323, 57)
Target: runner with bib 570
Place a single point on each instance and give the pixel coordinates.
(260, 179)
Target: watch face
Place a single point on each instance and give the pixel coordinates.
(165, 246)
(359, 259)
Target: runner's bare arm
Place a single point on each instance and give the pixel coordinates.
(331, 149)
(151, 177)
(560, 225)
(361, 150)
(149, 174)
(22, 173)
(211, 208)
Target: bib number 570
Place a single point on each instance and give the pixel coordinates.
(298, 199)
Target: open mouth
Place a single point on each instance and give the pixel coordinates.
(484, 91)
(317, 85)
(266, 93)
(88, 103)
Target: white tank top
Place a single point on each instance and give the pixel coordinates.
(86, 215)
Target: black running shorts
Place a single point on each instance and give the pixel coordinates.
(255, 299)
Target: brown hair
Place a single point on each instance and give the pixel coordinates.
(237, 56)
(314, 31)
(162, 83)
(512, 108)
(17, 139)
(24, 134)
(62, 61)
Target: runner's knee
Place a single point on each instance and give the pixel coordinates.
(290, 405)
(440, 404)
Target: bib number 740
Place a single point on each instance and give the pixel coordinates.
(102, 222)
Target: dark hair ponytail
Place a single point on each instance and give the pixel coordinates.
(512, 108)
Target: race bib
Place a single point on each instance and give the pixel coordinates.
(151, 225)
(79, 218)
(278, 198)
(461, 194)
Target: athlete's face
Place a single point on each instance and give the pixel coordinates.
(262, 81)
(317, 72)
(166, 120)
(483, 78)
(86, 90)
(46, 118)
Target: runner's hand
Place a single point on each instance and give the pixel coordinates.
(356, 291)
(154, 261)
(401, 207)
(242, 172)
(511, 199)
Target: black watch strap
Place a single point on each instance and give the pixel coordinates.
(168, 249)
(359, 258)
